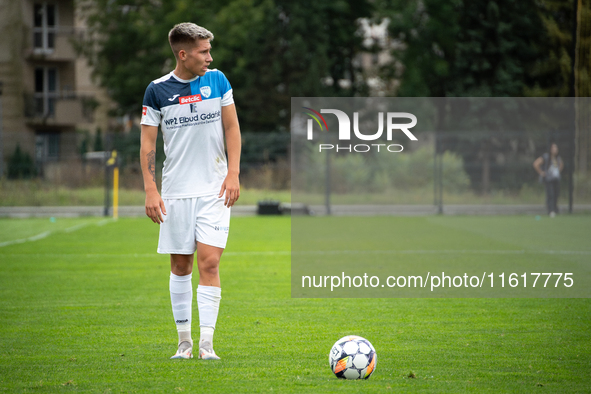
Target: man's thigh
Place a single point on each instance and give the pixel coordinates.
(213, 221)
(177, 231)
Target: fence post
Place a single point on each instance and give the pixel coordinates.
(110, 164)
(327, 179)
(438, 175)
(435, 194)
(573, 91)
(107, 184)
(1, 143)
(115, 186)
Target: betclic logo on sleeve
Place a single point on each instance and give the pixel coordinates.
(190, 99)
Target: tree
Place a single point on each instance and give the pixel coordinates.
(465, 48)
(426, 32)
(270, 50)
(124, 45)
(98, 141)
(462, 48)
(556, 69)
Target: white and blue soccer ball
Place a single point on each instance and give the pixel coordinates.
(353, 357)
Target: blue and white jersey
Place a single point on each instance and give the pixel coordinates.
(190, 115)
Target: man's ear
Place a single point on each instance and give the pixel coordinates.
(182, 54)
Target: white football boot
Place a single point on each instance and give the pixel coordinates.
(206, 351)
(185, 350)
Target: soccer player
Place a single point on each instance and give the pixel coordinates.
(194, 107)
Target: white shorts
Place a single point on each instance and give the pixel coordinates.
(191, 220)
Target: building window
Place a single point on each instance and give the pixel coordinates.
(45, 91)
(47, 146)
(44, 27)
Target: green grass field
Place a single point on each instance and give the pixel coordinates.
(85, 307)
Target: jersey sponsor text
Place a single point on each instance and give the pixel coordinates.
(190, 99)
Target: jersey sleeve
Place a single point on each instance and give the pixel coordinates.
(226, 90)
(151, 114)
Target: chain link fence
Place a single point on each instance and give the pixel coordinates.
(467, 152)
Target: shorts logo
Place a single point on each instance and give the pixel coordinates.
(205, 91)
(144, 110)
(182, 321)
(190, 99)
(222, 228)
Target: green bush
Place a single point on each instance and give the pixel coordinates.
(20, 165)
(380, 172)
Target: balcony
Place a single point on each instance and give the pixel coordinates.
(53, 45)
(58, 109)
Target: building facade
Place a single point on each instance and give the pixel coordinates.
(47, 94)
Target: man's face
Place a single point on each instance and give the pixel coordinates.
(198, 57)
(554, 149)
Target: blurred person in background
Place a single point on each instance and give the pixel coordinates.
(549, 166)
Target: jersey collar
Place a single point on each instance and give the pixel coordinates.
(183, 80)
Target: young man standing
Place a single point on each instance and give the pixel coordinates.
(194, 107)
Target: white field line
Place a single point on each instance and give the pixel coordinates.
(38, 236)
(46, 234)
(29, 239)
(105, 221)
(76, 227)
(448, 251)
(320, 252)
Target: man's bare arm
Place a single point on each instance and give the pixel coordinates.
(231, 184)
(154, 204)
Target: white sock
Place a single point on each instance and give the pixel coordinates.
(208, 302)
(181, 298)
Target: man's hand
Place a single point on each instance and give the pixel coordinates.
(155, 207)
(231, 186)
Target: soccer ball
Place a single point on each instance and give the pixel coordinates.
(352, 357)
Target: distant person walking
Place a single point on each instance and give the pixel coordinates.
(549, 166)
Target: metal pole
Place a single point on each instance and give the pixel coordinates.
(107, 186)
(572, 138)
(116, 193)
(437, 175)
(1, 142)
(327, 180)
(440, 178)
(435, 202)
(115, 186)
(438, 158)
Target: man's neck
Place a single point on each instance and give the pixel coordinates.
(183, 73)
